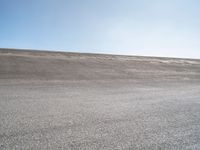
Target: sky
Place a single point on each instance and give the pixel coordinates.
(169, 28)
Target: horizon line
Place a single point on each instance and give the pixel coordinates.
(93, 53)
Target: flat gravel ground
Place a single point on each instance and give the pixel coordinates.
(89, 102)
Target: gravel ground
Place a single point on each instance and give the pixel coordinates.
(82, 101)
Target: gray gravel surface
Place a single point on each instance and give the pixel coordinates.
(89, 101)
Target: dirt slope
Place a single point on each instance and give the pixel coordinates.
(18, 64)
(73, 101)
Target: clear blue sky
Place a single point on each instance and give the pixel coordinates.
(137, 27)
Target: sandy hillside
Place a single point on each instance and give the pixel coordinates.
(57, 100)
